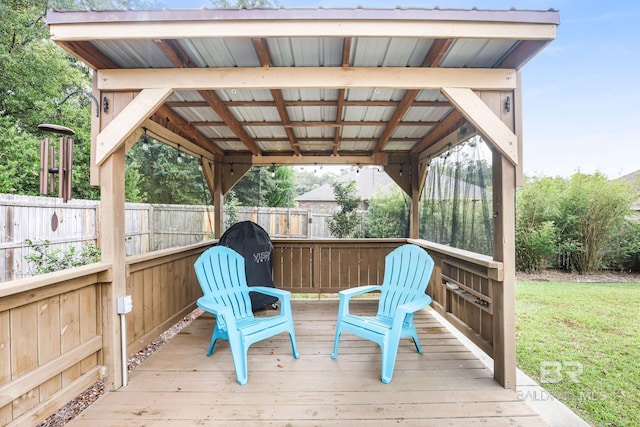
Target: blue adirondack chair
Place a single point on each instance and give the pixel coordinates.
(221, 274)
(407, 271)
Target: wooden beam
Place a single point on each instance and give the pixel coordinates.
(284, 116)
(363, 160)
(525, 50)
(450, 123)
(306, 77)
(236, 127)
(407, 99)
(129, 119)
(436, 53)
(487, 123)
(210, 28)
(309, 103)
(339, 112)
(399, 169)
(171, 120)
(90, 55)
(168, 137)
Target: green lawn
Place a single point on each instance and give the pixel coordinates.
(581, 342)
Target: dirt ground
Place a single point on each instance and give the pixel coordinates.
(568, 276)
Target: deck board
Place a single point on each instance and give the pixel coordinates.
(180, 386)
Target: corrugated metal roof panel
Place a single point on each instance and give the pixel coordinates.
(265, 132)
(476, 53)
(221, 52)
(231, 145)
(357, 145)
(305, 51)
(389, 52)
(426, 114)
(134, 53)
(217, 132)
(398, 145)
(197, 114)
(416, 132)
(361, 131)
(273, 145)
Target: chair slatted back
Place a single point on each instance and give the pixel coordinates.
(407, 270)
(221, 274)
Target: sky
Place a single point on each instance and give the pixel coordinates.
(581, 94)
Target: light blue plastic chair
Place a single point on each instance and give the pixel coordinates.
(407, 271)
(221, 274)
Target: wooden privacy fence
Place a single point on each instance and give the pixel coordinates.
(50, 341)
(51, 327)
(148, 227)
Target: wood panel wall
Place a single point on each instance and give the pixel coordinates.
(164, 288)
(50, 341)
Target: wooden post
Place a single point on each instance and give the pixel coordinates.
(414, 214)
(504, 236)
(112, 232)
(218, 201)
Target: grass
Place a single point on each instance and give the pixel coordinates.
(581, 342)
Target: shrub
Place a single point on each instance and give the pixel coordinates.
(47, 260)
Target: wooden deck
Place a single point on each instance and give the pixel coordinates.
(180, 386)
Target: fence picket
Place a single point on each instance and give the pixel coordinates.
(148, 227)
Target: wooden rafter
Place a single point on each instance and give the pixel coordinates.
(172, 121)
(450, 123)
(524, 51)
(221, 110)
(88, 54)
(433, 57)
(165, 114)
(262, 51)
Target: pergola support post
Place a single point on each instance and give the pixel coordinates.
(218, 201)
(504, 235)
(112, 244)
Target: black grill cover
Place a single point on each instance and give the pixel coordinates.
(254, 244)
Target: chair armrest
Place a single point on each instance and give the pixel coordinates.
(224, 315)
(209, 305)
(415, 305)
(360, 290)
(274, 292)
(347, 294)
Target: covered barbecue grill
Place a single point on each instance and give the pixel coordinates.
(254, 244)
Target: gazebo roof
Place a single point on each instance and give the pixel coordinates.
(317, 85)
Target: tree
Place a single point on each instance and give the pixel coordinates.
(590, 210)
(343, 223)
(388, 215)
(281, 194)
(536, 234)
(163, 178)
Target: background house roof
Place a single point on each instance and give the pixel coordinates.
(369, 181)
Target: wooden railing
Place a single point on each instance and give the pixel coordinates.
(331, 265)
(164, 289)
(462, 287)
(50, 341)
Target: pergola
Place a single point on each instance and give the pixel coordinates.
(271, 87)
